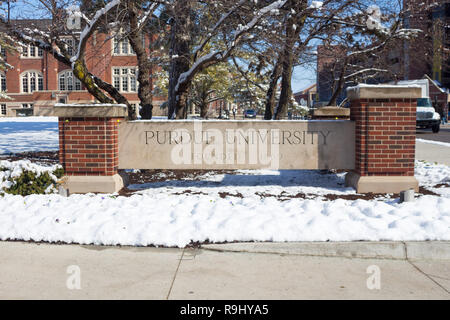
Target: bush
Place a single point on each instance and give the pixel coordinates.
(29, 182)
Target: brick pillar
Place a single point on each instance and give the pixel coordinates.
(88, 147)
(385, 119)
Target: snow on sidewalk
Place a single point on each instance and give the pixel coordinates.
(162, 213)
(440, 143)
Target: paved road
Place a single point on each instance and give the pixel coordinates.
(42, 271)
(443, 135)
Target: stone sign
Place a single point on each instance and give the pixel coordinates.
(377, 144)
(237, 145)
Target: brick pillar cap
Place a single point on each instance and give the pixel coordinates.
(366, 91)
(90, 110)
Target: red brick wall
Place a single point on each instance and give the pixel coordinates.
(89, 146)
(385, 136)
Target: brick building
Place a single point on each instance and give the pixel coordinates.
(331, 60)
(38, 81)
(430, 54)
(307, 96)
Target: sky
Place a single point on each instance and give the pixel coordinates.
(302, 77)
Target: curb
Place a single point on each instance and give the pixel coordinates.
(394, 250)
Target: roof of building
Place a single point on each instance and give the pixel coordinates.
(311, 87)
(32, 23)
(437, 84)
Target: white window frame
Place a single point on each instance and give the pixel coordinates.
(121, 41)
(71, 45)
(3, 83)
(32, 52)
(3, 109)
(38, 81)
(2, 51)
(74, 82)
(27, 105)
(121, 46)
(124, 80)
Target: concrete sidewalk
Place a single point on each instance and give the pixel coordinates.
(234, 271)
(433, 153)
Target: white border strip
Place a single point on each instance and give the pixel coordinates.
(445, 144)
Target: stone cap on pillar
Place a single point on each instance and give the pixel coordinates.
(331, 112)
(384, 91)
(90, 110)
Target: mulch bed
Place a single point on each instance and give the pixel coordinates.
(41, 157)
(150, 176)
(154, 176)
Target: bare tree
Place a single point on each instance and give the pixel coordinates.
(361, 49)
(224, 27)
(50, 39)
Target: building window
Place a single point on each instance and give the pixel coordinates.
(122, 46)
(124, 79)
(68, 82)
(2, 52)
(32, 52)
(27, 106)
(2, 82)
(3, 109)
(32, 81)
(71, 46)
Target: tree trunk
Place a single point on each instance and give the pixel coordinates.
(294, 25)
(145, 66)
(204, 105)
(180, 58)
(181, 104)
(204, 110)
(339, 85)
(286, 77)
(272, 91)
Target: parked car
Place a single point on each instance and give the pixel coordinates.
(249, 113)
(224, 116)
(427, 117)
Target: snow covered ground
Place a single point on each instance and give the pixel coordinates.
(24, 134)
(247, 206)
(243, 206)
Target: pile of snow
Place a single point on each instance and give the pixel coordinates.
(14, 169)
(316, 5)
(168, 220)
(23, 134)
(165, 214)
(431, 174)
